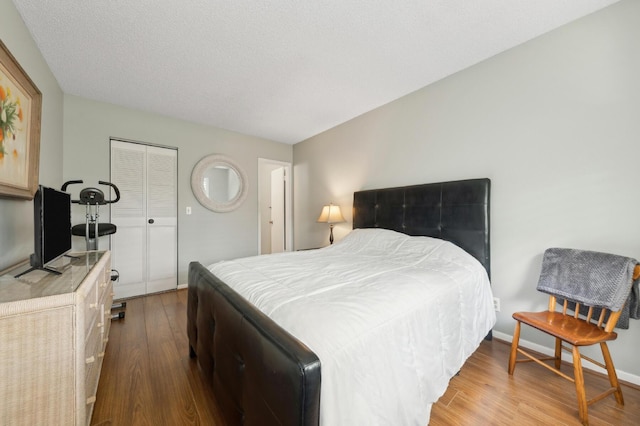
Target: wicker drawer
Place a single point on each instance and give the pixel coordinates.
(104, 281)
(107, 274)
(105, 292)
(106, 308)
(91, 308)
(93, 361)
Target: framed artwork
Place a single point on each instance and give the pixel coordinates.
(20, 113)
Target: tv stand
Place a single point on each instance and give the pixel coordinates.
(54, 329)
(52, 271)
(47, 267)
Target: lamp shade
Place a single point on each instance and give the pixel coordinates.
(331, 214)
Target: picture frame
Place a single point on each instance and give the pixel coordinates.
(20, 122)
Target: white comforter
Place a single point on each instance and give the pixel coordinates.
(391, 317)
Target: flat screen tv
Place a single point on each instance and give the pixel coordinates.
(52, 227)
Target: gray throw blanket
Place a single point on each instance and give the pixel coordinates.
(596, 279)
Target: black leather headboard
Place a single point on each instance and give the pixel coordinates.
(456, 211)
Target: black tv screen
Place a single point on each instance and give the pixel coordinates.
(52, 225)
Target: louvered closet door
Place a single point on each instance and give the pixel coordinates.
(162, 209)
(144, 247)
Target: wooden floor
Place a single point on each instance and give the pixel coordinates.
(147, 376)
(148, 379)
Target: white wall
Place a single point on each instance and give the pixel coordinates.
(16, 216)
(204, 235)
(555, 124)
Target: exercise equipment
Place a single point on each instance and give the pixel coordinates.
(92, 229)
(92, 198)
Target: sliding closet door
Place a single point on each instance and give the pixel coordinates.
(162, 220)
(128, 244)
(144, 248)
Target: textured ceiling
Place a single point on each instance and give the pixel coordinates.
(284, 70)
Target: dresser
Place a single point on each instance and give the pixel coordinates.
(53, 334)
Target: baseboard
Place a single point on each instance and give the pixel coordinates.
(622, 375)
(182, 286)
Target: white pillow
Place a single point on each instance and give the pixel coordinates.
(371, 239)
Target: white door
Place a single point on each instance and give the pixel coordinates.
(129, 243)
(277, 220)
(281, 233)
(144, 247)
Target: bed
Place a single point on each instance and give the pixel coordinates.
(350, 362)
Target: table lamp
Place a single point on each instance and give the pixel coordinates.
(331, 214)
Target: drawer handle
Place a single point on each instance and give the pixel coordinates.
(91, 400)
(90, 360)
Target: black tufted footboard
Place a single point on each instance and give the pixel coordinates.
(261, 375)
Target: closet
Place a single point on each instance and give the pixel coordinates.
(144, 247)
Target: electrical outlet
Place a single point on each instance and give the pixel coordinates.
(496, 304)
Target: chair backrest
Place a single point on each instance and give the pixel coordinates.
(604, 318)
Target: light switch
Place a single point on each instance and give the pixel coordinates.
(188, 209)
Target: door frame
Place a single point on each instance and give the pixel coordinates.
(264, 173)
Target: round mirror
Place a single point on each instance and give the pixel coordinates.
(219, 183)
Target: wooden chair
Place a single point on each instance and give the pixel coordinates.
(577, 331)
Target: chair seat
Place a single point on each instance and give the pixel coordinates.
(80, 230)
(572, 330)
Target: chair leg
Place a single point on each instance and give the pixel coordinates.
(611, 371)
(580, 391)
(558, 353)
(514, 348)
